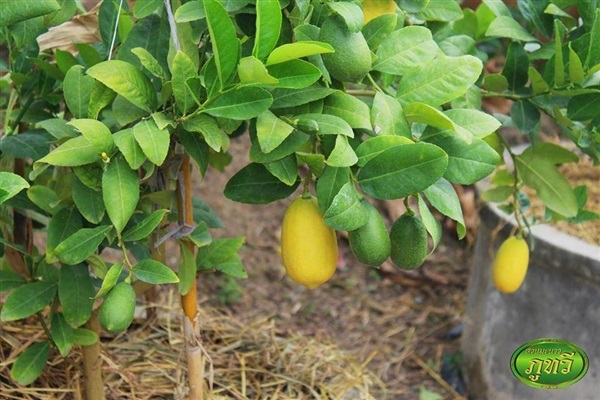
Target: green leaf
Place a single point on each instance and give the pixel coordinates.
(45, 198)
(218, 252)
(403, 170)
(286, 169)
(129, 147)
(254, 184)
(419, 112)
(154, 272)
(404, 49)
(271, 131)
(190, 11)
(203, 212)
(458, 45)
(62, 334)
(144, 228)
(593, 55)
(584, 107)
(144, 8)
(10, 14)
(232, 267)
(495, 83)
(388, 117)
(315, 162)
(559, 65)
(210, 130)
(196, 148)
(516, 66)
(64, 60)
(126, 112)
(252, 70)
(10, 280)
(441, 10)
(533, 11)
(225, 44)
(62, 225)
(442, 80)
(187, 269)
(525, 116)
(294, 74)
(433, 226)
(110, 279)
(328, 124)
(96, 133)
(84, 337)
(576, 74)
(478, 123)
(10, 185)
(150, 62)
(551, 152)
(467, 163)
(76, 294)
(120, 191)
(183, 69)
(127, 80)
(497, 194)
(153, 141)
(329, 185)
(443, 197)
(80, 245)
(100, 97)
(239, 103)
(88, 201)
(550, 185)
(509, 28)
(77, 88)
(293, 51)
(268, 26)
(26, 300)
(374, 146)
(351, 14)
(31, 363)
(350, 109)
(284, 98)
(378, 29)
(291, 144)
(342, 155)
(200, 236)
(346, 212)
(58, 128)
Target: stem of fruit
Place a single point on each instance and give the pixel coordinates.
(518, 212)
(189, 301)
(92, 364)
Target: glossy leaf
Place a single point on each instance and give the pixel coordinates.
(26, 300)
(149, 62)
(95, 132)
(144, 8)
(62, 225)
(388, 117)
(432, 225)
(88, 201)
(84, 337)
(31, 363)
(210, 130)
(252, 70)
(509, 28)
(76, 294)
(77, 88)
(110, 280)
(406, 48)
(153, 141)
(355, 112)
(10, 185)
(154, 272)
(346, 211)
(403, 170)
(120, 191)
(516, 66)
(218, 252)
(328, 124)
(240, 104)
(271, 131)
(225, 44)
(129, 147)
(419, 112)
(525, 116)
(100, 97)
(62, 334)
(268, 26)
(126, 80)
(443, 198)
(350, 12)
(144, 228)
(254, 184)
(374, 146)
(342, 154)
(11, 14)
(284, 98)
(10, 280)
(378, 29)
(80, 245)
(441, 10)
(296, 74)
(286, 169)
(293, 51)
(182, 69)
(329, 184)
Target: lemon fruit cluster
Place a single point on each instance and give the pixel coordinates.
(370, 243)
(117, 310)
(375, 8)
(351, 60)
(510, 265)
(409, 241)
(308, 246)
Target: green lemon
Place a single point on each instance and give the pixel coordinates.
(370, 243)
(116, 312)
(409, 241)
(352, 58)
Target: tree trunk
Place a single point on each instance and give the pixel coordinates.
(92, 364)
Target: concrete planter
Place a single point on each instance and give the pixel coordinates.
(560, 298)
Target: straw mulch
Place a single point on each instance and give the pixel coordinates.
(250, 361)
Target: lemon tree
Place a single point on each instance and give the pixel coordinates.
(358, 101)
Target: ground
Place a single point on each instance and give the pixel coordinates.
(402, 324)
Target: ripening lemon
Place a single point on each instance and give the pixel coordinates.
(375, 8)
(510, 265)
(409, 241)
(118, 308)
(308, 246)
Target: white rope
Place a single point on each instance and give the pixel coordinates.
(173, 25)
(112, 43)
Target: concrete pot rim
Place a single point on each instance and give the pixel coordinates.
(547, 236)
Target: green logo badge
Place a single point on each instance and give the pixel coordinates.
(549, 363)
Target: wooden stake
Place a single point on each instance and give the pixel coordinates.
(92, 364)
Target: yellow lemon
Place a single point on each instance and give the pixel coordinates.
(308, 246)
(510, 265)
(374, 8)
